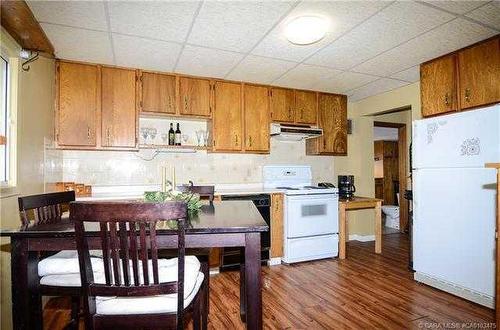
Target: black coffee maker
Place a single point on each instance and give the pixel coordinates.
(346, 186)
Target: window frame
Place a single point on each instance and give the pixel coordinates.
(5, 180)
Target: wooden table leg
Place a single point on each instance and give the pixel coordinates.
(378, 227)
(342, 230)
(243, 298)
(253, 281)
(19, 283)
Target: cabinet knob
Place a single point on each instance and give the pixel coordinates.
(447, 99)
(467, 94)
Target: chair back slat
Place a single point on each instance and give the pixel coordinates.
(105, 252)
(144, 253)
(45, 208)
(133, 253)
(115, 250)
(154, 252)
(124, 251)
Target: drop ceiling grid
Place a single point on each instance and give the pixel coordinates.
(107, 32)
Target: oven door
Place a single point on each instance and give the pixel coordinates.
(311, 215)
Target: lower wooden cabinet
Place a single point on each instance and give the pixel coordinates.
(256, 115)
(332, 118)
(77, 109)
(119, 116)
(277, 225)
(227, 126)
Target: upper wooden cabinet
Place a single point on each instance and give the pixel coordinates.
(119, 116)
(282, 104)
(194, 97)
(479, 72)
(77, 110)
(332, 118)
(227, 121)
(464, 79)
(306, 107)
(438, 86)
(256, 115)
(159, 93)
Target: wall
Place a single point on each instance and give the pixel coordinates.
(35, 111)
(359, 161)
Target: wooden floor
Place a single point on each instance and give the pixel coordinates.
(362, 292)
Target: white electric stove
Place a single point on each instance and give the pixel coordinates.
(311, 223)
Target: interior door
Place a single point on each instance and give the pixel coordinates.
(438, 85)
(158, 93)
(282, 104)
(256, 109)
(77, 106)
(194, 97)
(479, 72)
(306, 107)
(119, 119)
(227, 121)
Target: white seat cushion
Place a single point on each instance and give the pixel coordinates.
(150, 305)
(64, 262)
(167, 269)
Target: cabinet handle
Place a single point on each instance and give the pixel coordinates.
(250, 140)
(108, 136)
(324, 144)
(185, 102)
(290, 113)
(467, 94)
(169, 103)
(88, 132)
(447, 99)
(236, 139)
(301, 113)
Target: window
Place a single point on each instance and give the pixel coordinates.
(4, 120)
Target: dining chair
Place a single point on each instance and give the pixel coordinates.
(49, 208)
(134, 288)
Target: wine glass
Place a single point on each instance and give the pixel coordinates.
(205, 137)
(164, 138)
(185, 138)
(199, 136)
(145, 134)
(152, 133)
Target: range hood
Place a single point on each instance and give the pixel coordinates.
(294, 133)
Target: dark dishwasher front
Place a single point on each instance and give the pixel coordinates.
(231, 257)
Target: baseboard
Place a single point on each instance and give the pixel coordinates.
(456, 290)
(274, 261)
(362, 238)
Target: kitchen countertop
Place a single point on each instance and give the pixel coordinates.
(137, 191)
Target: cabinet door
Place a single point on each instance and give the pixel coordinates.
(227, 120)
(194, 97)
(277, 227)
(282, 104)
(158, 93)
(77, 104)
(256, 110)
(479, 72)
(333, 119)
(118, 108)
(306, 107)
(438, 85)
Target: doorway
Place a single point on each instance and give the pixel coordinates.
(390, 172)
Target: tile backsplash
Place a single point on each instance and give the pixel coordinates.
(131, 168)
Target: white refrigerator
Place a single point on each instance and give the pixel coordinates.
(454, 202)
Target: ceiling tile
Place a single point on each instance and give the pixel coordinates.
(488, 14)
(260, 69)
(305, 76)
(90, 15)
(235, 26)
(410, 75)
(457, 7)
(206, 61)
(344, 82)
(79, 44)
(148, 54)
(377, 87)
(168, 21)
(343, 15)
(442, 40)
(390, 27)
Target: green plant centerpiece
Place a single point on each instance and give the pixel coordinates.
(191, 199)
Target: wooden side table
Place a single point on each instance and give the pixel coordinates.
(497, 279)
(359, 203)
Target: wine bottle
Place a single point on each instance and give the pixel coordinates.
(177, 136)
(171, 135)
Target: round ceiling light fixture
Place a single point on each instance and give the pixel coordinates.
(306, 30)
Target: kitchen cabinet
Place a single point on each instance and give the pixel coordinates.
(119, 117)
(306, 107)
(438, 86)
(227, 122)
(194, 96)
(465, 79)
(479, 72)
(282, 104)
(159, 93)
(332, 118)
(277, 225)
(77, 108)
(256, 115)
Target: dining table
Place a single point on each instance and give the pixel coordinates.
(215, 225)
